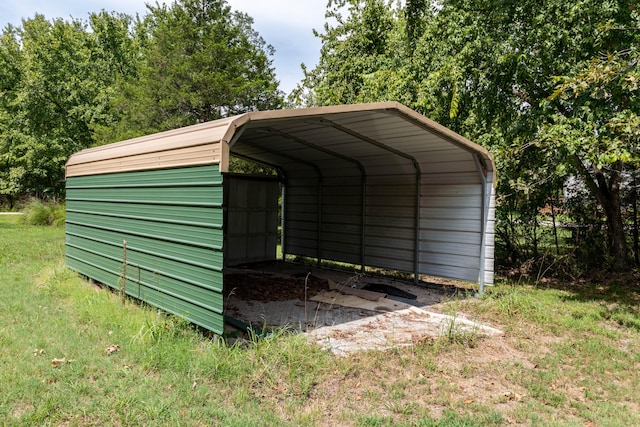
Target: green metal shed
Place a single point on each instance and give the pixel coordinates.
(371, 184)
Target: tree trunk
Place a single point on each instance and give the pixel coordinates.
(617, 237)
(555, 227)
(607, 191)
(636, 255)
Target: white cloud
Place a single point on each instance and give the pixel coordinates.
(299, 14)
(288, 26)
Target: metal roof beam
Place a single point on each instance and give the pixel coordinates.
(320, 181)
(286, 156)
(372, 141)
(317, 147)
(451, 138)
(363, 174)
(416, 165)
(279, 170)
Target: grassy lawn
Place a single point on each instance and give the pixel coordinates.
(570, 356)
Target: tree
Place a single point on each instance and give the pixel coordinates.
(362, 57)
(485, 69)
(56, 91)
(10, 75)
(510, 64)
(69, 85)
(597, 130)
(201, 62)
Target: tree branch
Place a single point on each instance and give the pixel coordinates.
(589, 179)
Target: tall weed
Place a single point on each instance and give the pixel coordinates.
(38, 212)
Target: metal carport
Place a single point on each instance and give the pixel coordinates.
(372, 184)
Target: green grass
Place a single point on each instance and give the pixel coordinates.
(570, 356)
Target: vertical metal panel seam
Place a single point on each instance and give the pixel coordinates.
(282, 222)
(363, 223)
(416, 165)
(320, 181)
(363, 175)
(417, 236)
(319, 225)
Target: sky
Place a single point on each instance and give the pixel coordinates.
(287, 25)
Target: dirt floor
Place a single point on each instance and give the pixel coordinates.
(343, 311)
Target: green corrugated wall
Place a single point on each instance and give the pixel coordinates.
(172, 221)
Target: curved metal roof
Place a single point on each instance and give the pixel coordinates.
(373, 136)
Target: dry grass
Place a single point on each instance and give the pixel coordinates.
(570, 356)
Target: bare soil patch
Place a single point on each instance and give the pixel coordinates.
(266, 286)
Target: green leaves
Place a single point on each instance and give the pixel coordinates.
(361, 57)
(546, 86)
(69, 85)
(201, 62)
(55, 95)
(598, 119)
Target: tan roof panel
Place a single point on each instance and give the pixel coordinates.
(188, 146)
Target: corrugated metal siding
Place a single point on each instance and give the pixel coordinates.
(391, 153)
(251, 221)
(390, 220)
(341, 238)
(451, 217)
(172, 221)
(301, 214)
(451, 228)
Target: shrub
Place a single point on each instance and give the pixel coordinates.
(38, 212)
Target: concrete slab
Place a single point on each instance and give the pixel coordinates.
(393, 329)
(321, 303)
